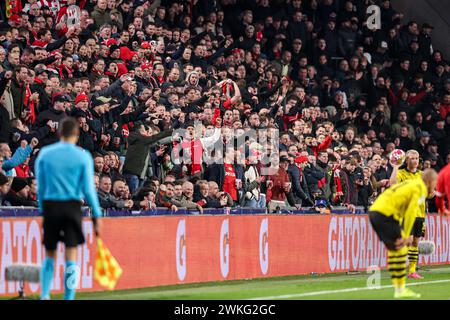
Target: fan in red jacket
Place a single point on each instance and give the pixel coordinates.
(443, 189)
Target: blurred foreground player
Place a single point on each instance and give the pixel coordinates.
(410, 171)
(443, 189)
(65, 176)
(393, 215)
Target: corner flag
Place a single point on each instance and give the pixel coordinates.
(107, 271)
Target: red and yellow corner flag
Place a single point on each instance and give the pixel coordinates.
(107, 271)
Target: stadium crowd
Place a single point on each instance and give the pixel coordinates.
(132, 72)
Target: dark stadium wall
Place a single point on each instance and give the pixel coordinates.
(434, 12)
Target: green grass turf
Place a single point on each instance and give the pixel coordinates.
(269, 287)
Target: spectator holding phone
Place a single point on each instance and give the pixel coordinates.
(138, 154)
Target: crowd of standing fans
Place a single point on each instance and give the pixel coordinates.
(336, 96)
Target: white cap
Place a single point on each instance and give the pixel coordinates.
(368, 57)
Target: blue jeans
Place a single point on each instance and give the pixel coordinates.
(133, 182)
(253, 203)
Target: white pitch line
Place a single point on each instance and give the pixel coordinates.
(317, 293)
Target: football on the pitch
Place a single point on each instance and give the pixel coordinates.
(397, 157)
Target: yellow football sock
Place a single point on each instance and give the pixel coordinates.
(397, 267)
(413, 257)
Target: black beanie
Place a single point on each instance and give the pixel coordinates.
(3, 179)
(18, 184)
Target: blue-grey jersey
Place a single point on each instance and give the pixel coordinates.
(65, 172)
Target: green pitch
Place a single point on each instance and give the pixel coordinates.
(435, 285)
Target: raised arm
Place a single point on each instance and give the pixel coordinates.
(237, 93)
(211, 140)
(394, 176)
(18, 158)
(40, 178)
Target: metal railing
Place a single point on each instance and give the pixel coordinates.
(34, 212)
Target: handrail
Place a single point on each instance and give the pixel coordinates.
(34, 212)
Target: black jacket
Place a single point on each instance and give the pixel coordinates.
(40, 134)
(4, 124)
(216, 173)
(299, 185)
(18, 92)
(42, 119)
(16, 200)
(138, 149)
(109, 201)
(313, 176)
(346, 41)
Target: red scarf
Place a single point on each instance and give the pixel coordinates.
(215, 116)
(97, 72)
(110, 74)
(125, 130)
(338, 184)
(321, 183)
(38, 81)
(196, 154)
(224, 88)
(69, 72)
(30, 104)
(40, 43)
(288, 119)
(61, 13)
(160, 80)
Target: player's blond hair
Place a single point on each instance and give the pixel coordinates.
(412, 152)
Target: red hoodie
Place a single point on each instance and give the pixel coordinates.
(289, 119)
(22, 171)
(444, 110)
(443, 188)
(411, 100)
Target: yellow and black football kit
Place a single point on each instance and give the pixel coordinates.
(404, 175)
(402, 203)
(418, 230)
(392, 216)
